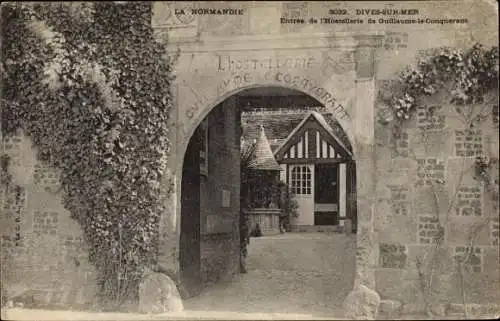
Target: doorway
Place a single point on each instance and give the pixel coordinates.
(211, 187)
(326, 196)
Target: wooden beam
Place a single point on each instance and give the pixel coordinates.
(314, 160)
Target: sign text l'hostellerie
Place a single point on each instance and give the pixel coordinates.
(243, 73)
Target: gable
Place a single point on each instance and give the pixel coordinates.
(279, 125)
(312, 141)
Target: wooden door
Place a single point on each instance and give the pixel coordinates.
(326, 194)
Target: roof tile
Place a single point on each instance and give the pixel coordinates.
(279, 125)
(262, 157)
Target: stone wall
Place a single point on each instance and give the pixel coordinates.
(425, 178)
(44, 257)
(267, 218)
(42, 246)
(220, 195)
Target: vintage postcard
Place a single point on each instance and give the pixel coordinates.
(227, 160)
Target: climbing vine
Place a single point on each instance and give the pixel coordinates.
(466, 74)
(467, 78)
(88, 83)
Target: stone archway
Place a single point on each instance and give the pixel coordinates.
(342, 79)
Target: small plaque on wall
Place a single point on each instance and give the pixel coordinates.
(226, 198)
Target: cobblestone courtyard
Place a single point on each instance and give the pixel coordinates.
(297, 273)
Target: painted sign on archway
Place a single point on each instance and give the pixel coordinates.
(328, 77)
(285, 79)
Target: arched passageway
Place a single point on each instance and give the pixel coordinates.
(300, 134)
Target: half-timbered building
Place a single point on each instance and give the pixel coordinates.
(316, 163)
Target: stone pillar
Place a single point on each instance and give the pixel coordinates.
(363, 301)
(365, 172)
(168, 252)
(366, 241)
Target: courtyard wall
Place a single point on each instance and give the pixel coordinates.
(43, 254)
(411, 203)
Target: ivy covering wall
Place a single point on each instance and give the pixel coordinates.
(88, 83)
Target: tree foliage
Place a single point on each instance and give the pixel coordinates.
(90, 85)
(263, 189)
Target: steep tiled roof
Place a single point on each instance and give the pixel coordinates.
(262, 157)
(279, 125)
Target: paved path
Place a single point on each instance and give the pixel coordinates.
(295, 276)
(297, 273)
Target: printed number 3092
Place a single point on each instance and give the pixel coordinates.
(337, 11)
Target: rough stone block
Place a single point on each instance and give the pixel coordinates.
(429, 229)
(388, 283)
(455, 309)
(400, 146)
(490, 309)
(404, 167)
(406, 233)
(361, 304)
(460, 229)
(474, 262)
(430, 171)
(413, 308)
(491, 258)
(159, 294)
(468, 143)
(481, 288)
(457, 174)
(494, 232)
(392, 255)
(438, 309)
(390, 307)
(469, 201)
